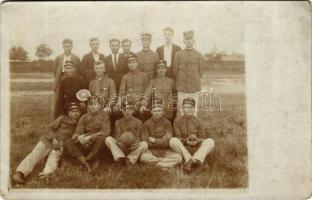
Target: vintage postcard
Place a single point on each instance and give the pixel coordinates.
(156, 100)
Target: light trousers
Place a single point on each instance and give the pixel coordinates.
(118, 152)
(203, 150)
(169, 159)
(39, 152)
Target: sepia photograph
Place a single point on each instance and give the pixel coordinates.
(126, 95)
(97, 106)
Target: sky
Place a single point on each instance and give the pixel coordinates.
(214, 23)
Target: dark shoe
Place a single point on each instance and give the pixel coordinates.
(18, 177)
(128, 163)
(122, 161)
(90, 157)
(196, 165)
(188, 167)
(87, 167)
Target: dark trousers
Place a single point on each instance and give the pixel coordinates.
(76, 149)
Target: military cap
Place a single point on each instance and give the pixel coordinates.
(188, 34)
(73, 106)
(128, 103)
(68, 63)
(161, 64)
(146, 36)
(189, 100)
(67, 40)
(99, 62)
(157, 106)
(83, 95)
(131, 57)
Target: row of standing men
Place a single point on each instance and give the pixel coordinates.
(185, 66)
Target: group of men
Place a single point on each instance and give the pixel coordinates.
(126, 103)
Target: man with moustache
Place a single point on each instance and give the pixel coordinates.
(115, 63)
(126, 47)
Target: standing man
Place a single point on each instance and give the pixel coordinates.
(146, 57)
(126, 47)
(59, 72)
(115, 63)
(168, 50)
(88, 60)
(188, 69)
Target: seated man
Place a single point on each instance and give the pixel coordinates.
(103, 87)
(133, 86)
(50, 145)
(189, 131)
(69, 86)
(89, 136)
(161, 89)
(157, 132)
(127, 146)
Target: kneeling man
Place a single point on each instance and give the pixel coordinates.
(190, 137)
(127, 146)
(89, 136)
(157, 131)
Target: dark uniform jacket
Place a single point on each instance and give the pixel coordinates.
(161, 89)
(147, 62)
(133, 125)
(69, 86)
(104, 87)
(92, 123)
(61, 129)
(161, 130)
(186, 125)
(134, 82)
(188, 69)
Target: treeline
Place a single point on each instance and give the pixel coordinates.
(47, 66)
(20, 63)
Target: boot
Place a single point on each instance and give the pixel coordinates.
(18, 177)
(188, 167)
(84, 162)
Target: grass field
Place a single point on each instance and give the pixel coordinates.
(226, 166)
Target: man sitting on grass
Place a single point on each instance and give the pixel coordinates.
(190, 137)
(89, 136)
(157, 132)
(127, 146)
(50, 145)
